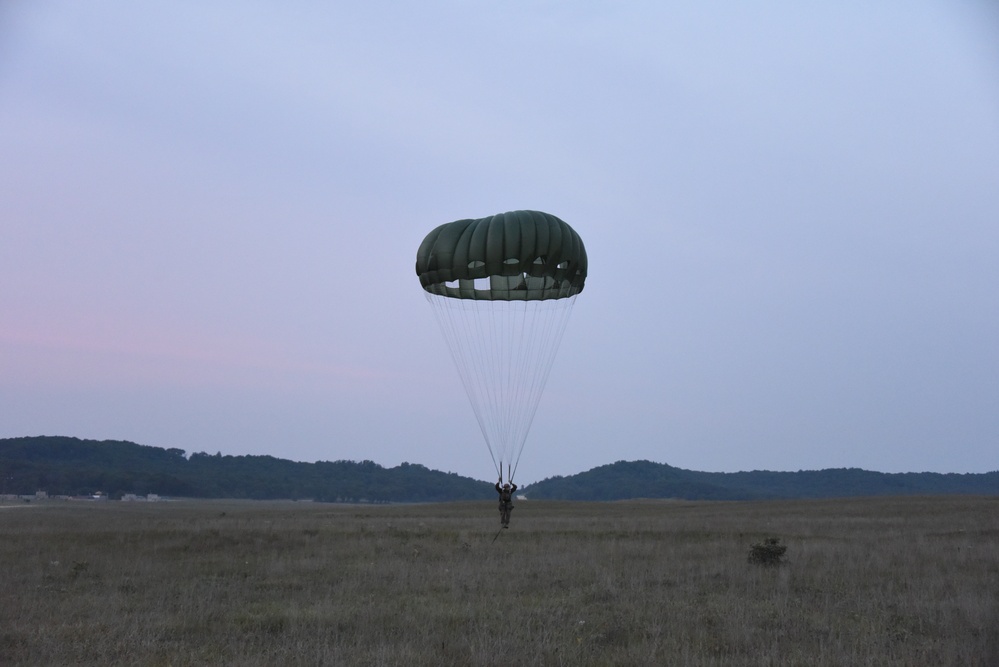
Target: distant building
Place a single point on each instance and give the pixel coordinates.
(135, 498)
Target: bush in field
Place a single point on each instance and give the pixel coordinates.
(769, 552)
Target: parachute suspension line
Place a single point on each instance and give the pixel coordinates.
(463, 342)
(504, 352)
(544, 358)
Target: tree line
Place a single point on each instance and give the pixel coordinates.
(644, 479)
(71, 466)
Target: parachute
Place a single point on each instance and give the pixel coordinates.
(501, 289)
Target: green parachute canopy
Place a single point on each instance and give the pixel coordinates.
(515, 256)
(501, 289)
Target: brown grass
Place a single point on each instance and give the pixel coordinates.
(911, 581)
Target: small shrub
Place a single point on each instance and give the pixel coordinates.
(769, 552)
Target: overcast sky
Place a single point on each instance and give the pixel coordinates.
(210, 214)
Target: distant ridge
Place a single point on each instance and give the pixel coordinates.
(70, 466)
(645, 479)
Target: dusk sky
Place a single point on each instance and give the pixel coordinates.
(210, 214)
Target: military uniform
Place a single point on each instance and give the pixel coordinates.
(505, 502)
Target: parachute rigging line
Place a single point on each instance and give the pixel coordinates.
(504, 352)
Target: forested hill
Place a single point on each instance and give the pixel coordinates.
(644, 479)
(69, 466)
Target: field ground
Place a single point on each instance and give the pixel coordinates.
(888, 581)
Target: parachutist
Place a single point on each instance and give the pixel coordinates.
(505, 501)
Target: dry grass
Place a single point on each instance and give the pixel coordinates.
(866, 582)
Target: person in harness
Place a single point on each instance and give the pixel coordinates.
(505, 501)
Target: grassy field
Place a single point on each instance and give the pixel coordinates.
(897, 581)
